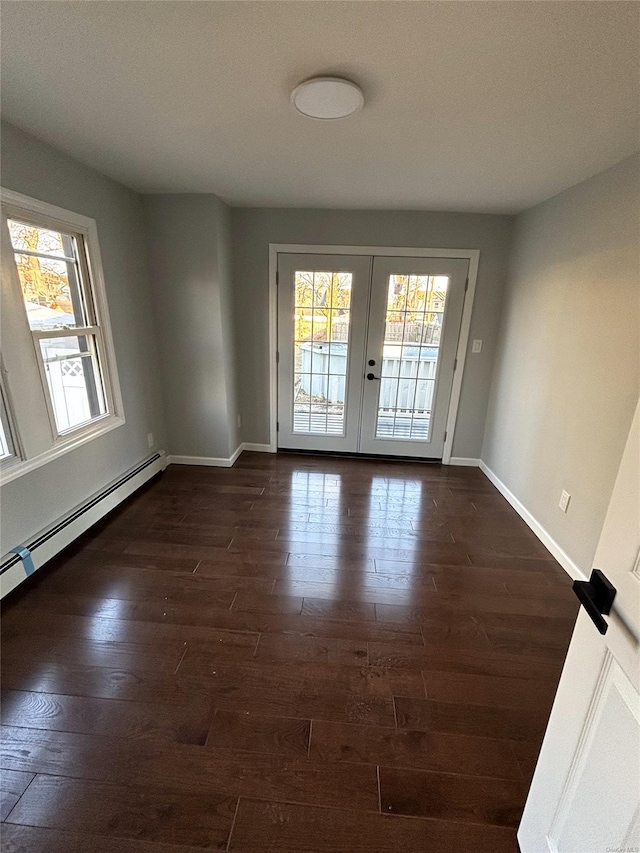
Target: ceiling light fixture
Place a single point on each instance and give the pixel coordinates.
(327, 98)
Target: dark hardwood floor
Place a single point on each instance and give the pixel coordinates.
(296, 655)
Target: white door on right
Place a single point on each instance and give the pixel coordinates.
(585, 793)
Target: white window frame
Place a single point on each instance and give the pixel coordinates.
(9, 433)
(29, 407)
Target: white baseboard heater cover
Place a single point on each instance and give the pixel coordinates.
(61, 533)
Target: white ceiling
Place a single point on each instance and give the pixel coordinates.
(480, 106)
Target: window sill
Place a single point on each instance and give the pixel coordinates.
(64, 444)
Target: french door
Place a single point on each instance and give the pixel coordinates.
(366, 352)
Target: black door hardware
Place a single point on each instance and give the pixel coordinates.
(371, 376)
(371, 362)
(596, 596)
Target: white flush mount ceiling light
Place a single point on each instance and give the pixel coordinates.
(327, 98)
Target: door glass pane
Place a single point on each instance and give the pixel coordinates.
(321, 339)
(48, 273)
(413, 324)
(73, 376)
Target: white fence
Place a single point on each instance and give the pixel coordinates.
(67, 382)
(408, 374)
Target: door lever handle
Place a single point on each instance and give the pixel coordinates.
(596, 596)
(371, 376)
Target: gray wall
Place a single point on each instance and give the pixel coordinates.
(189, 244)
(566, 375)
(253, 230)
(36, 499)
(566, 362)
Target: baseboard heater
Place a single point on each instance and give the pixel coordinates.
(14, 568)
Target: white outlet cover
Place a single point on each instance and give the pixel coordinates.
(150, 439)
(563, 503)
(477, 346)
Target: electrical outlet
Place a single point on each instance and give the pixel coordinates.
(563, 503)
(477, 346)
(239, 420)
(150, 440)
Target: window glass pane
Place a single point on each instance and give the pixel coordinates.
(36, 239)
(74, 380)
(51, 292)
(49, 279)
(415, 311)
(321, 332)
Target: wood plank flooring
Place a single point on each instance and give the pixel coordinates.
(296, 655)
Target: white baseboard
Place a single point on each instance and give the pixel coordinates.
(64, 530)
(213, 461)
(572, 569)
(219, 461)
(469, 461)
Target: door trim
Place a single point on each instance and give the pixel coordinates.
(472, 255)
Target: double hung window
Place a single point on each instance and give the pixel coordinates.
(60, 368)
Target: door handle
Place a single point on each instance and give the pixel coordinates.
(596, 596)
(371, 376)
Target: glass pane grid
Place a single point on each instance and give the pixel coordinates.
(32, 238)
(321, 332)
(74, 381)
(413, 323)
(50, 280)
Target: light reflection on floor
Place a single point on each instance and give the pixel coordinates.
(101, 621)
(322, 495)
(393, 505)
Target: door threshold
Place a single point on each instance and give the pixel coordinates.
(382, 457)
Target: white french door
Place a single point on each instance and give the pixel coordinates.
(322, 328)
(366, 352)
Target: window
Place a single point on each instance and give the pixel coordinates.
(56, 339)
(57, 300)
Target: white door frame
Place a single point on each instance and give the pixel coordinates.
(473, 256)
